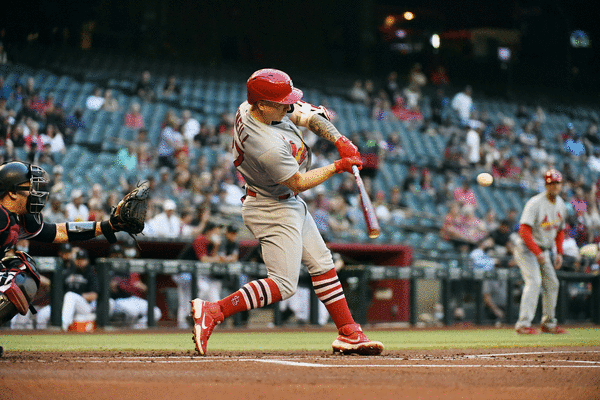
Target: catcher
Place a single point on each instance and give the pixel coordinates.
(23, 195)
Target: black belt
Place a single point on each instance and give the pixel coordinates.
(282, 197)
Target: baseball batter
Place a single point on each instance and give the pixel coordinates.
(542, 225)
(273, 158)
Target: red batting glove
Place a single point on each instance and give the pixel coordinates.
(346, 148)
(345, 164)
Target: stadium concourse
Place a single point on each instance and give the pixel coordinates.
(417, 168)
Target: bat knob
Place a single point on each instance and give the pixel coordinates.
(374, 233)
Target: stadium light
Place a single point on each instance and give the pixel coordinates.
(435, 41)
(390, 20)
(408, 16)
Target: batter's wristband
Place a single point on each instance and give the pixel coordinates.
(108, 232)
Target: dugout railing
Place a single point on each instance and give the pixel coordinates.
(362, 276)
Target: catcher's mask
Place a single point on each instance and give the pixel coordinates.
(17, 176)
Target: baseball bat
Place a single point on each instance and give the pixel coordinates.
(367, 206)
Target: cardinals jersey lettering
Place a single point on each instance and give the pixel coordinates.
(545, 218)
(267, 155)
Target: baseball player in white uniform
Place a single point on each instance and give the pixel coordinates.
(272, 156)
(541, 226)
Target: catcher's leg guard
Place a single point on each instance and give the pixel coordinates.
(19, 282)
(7, 309)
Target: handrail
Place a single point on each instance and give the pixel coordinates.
(365, 273)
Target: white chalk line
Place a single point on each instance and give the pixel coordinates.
(532, 353)
(397, 363)
(547, 364)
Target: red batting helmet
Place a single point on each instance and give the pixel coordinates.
(272, 85)
(552, 176)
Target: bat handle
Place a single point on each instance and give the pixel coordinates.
(355, 171)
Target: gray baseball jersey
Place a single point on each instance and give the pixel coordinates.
(267, 155)
(545, 218)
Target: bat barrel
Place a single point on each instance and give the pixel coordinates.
(367, 207)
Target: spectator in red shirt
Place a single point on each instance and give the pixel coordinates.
(464, 195)
(134, 119)
(439, 77)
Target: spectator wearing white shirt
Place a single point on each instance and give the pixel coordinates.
(462, 103)
(594, 161)
(190, 127)
(95, 101)
(473, 145)
(167, 224)
(382, 209)
(76, 210)
(54, 140)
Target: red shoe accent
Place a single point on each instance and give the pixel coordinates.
(351, 340)
(206, 316)
(526, 330)
(555, 330)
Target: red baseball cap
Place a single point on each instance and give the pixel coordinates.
(553, 176)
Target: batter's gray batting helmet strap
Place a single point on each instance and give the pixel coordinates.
(272, 85)
(553, 176)
(15, 176)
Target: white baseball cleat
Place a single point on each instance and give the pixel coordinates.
(206, 316)
(352, 340)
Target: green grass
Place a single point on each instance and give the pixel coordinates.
(289, 341)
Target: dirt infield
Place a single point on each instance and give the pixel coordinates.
(534, 373)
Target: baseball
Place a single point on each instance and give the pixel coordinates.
(589, 250)
(485, 179)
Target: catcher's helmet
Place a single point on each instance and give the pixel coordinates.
(16, 176)
(552, 176)
(272, 85)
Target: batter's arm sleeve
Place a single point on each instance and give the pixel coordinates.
(559, 239)
(526, 235)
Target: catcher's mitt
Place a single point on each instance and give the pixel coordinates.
(130, 214)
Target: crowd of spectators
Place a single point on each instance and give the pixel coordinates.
(192, 179)
(191, 173)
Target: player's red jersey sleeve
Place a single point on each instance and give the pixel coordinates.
(526, 235)
(560, 237)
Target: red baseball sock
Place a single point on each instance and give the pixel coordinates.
(253, 294)
(329, 290)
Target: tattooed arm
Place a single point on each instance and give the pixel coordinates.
(317, 119)
(323, 128)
